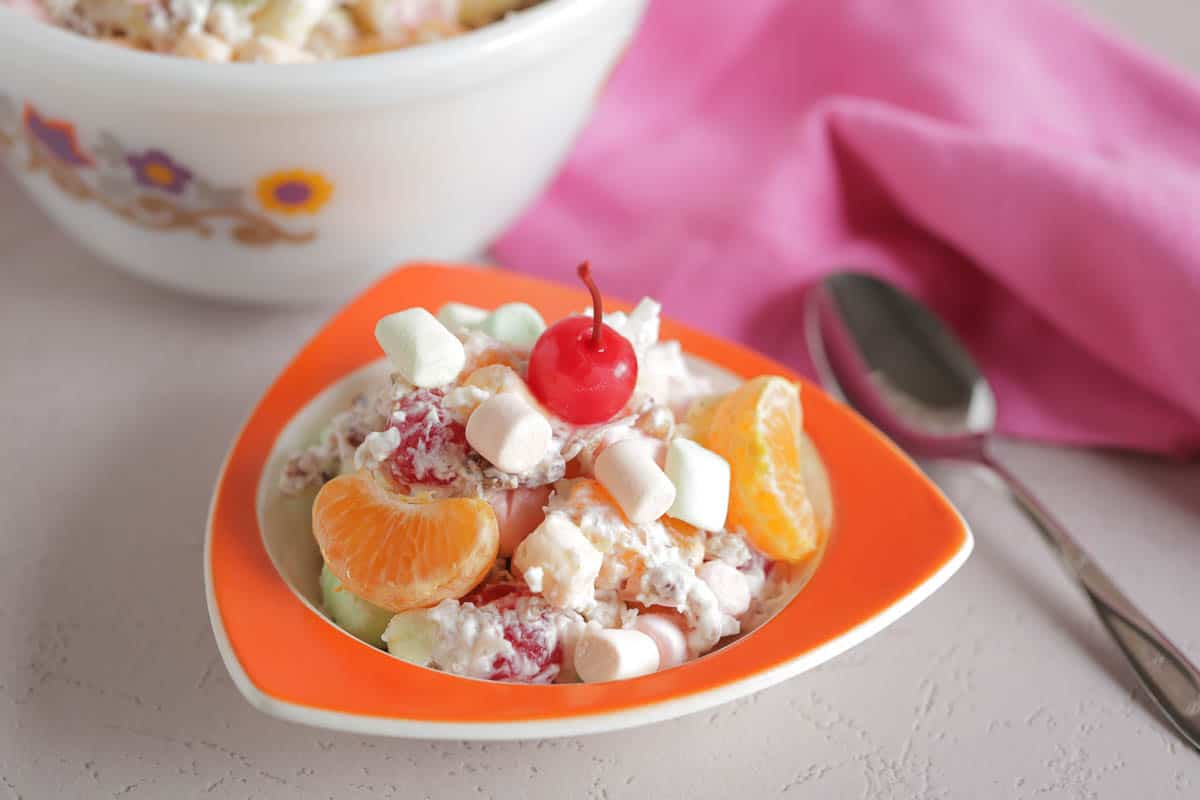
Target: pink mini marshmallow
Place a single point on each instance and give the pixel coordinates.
(569, 633)
(729, 586)
(667, 635)
(613, 654)
(519, 512)
(655, 447)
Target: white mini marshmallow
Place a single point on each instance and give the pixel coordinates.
(728, 584)
(519, 324)
(701, 479)
(509, 432)
(460, 316)
(628, 471)
(667, 636)
(613, 654)
(562, 562)
(420, 347)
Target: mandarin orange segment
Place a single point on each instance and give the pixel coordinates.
(402, 552)
(757, 430)
(580, 493)
(700, 415)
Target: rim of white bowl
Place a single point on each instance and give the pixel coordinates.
(518, 41)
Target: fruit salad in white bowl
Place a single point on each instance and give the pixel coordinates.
(294, 182)
(575, 502)
(267, 31)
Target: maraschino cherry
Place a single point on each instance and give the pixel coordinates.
(580, 368)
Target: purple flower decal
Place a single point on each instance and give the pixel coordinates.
(57, 136)
(156, 170)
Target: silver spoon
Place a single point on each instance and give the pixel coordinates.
(890, 358)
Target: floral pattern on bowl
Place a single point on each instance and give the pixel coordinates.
(151, 188)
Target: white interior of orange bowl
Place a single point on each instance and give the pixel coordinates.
(286, 523)
(520, 41)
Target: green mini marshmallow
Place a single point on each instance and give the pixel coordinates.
(518, 324)
(460, 316)
(356, 616)
(410, 637)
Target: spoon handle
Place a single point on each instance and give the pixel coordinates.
(1172, 680)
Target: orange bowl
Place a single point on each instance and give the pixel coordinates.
(895, 540)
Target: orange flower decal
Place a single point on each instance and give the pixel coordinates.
(294, 191)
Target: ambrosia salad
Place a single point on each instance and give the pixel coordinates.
(549, 504)
(273, 31)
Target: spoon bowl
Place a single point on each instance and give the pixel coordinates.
(899, 365)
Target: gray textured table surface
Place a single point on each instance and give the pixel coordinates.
(119, 402)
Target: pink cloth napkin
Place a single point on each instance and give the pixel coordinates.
(1034, 179)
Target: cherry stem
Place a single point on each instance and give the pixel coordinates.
(584, 271)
